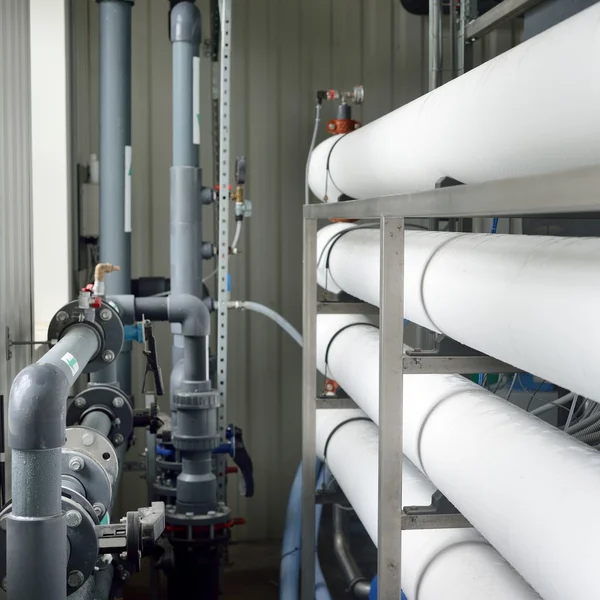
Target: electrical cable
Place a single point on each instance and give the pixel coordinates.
(310, 151)
(532, 398)
(571, 412)
(512, 387)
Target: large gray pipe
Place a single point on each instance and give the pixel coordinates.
(37, 531)
(115, 146)
(186, 216)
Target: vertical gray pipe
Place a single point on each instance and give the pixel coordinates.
(435, 44)
(186, 217)
(36, 529)
(115, 137)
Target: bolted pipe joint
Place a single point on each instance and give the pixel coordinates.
(186, 23)
(36, 408)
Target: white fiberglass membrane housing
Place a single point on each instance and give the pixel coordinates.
(522, 483)
(449, 564)
(532, 110)
(531, 301)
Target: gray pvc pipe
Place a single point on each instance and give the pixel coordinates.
(186, 36)
(98, 420)
(36, 528)
(115, 136)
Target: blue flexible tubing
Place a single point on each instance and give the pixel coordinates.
(289, 571)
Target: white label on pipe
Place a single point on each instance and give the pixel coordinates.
(196, 100)
(71, 362)
(127, 189)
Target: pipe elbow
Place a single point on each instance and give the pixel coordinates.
(37, 408)
(186, 23)
(192, 313)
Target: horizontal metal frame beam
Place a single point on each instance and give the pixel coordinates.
(346, 308)
(448, 365)
(336, 403)
(492, 19)
(453, 521)
(574, 191)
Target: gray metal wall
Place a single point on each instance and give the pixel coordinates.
(283, 50)
(15, 188)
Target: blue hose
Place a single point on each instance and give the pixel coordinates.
(373, 592)
(289, 571)
(494, 225)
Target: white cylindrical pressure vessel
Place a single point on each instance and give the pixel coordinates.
(522, 483)
(531, 110)
(531, 301)
(437, 563)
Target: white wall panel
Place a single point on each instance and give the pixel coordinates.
(282, 51)
(15, 188)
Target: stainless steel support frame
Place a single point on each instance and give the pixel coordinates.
(436, 44)
(574, 191)
(500, 14)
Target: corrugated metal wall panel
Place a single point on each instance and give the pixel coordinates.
(15, 188)
(283, 50)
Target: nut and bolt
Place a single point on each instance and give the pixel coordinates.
(105, 314)
(88, 439)
(212, 513)
(62, 316)
(117, 402)
(118, 439)
(3, 584)
(189, 514)
(108, 356)
(99, 509)
(76, 463)
(3, 523)
(80, 402)
(73, 520)
(75, 579)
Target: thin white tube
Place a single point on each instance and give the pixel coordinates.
(515, 477)
(531, 301)
(436, 564)
(531, 110)
(270, 314)
(236, 235)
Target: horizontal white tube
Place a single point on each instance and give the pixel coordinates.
(526, 486)
(531, 110)
(441, 564)
(531, 301)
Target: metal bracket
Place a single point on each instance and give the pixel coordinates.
(10, 343)
(440, 514)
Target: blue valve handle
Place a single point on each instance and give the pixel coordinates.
(134, 333)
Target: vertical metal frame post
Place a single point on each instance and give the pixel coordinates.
(436, 44)
(223, 226)
(391, 350)
(309, 407)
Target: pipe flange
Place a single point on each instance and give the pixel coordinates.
(212, 517)
(199, 443)
(90, 473)
(196, 400)
(82, 539)
(104, 320)
(97, 446)
(115, 403)
(82, 501)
